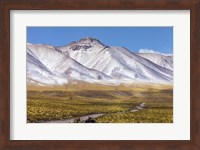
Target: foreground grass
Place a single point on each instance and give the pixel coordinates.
(44, 110)
(148, 115)
(114, 102)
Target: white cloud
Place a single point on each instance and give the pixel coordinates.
(151, 51)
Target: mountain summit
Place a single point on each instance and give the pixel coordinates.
(89, 60)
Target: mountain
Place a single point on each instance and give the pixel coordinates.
(165, 61)
(46, 65)
(89, 60)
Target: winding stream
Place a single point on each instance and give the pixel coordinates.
(82, 119)
(73, 120)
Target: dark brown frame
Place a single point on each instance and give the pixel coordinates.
(7, 5)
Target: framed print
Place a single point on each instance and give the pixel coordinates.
(100, 74)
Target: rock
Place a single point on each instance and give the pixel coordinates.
(75, 47)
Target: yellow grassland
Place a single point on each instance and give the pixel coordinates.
(61, 102)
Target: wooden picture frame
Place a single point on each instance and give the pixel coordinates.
(7, 5)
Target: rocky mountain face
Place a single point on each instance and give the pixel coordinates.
(91, 61)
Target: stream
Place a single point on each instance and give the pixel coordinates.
(84, 118)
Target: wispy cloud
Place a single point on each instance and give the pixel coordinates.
(151, 51)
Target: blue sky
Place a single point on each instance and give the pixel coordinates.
(159, 39)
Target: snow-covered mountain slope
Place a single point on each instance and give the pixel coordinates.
(165, 61)
(116, 62)
(45, 64)
(89, 60)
